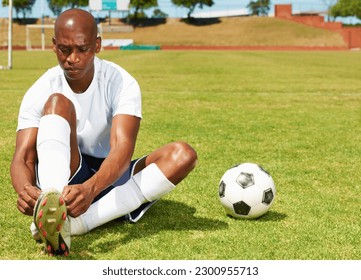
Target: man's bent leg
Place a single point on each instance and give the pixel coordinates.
(149, 183)
(126, 198)
(58, 159)
(57, 145)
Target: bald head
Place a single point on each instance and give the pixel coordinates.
(76, 19)
(75, 44)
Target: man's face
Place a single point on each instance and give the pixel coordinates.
(75, 46)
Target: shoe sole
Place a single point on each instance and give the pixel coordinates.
(50, 215)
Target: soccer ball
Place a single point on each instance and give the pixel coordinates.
(247, 191)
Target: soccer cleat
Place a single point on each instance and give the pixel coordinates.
(135, 215)
(50, 218)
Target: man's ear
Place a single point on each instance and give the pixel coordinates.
(98, 42)
(54, 44)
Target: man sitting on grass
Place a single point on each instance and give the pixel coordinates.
(72, 168)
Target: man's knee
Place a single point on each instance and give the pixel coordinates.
(184, 155)
(57, 102)
(60, 105)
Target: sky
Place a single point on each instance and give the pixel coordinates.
(40, 7)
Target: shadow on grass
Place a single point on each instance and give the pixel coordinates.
(165, 215)
(270, 216)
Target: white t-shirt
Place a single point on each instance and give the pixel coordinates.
(113, 91)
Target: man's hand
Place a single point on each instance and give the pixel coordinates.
(77, 198)
(27, 199)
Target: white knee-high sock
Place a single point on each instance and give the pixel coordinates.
(53, 147)
(147, 185)
(152, 182)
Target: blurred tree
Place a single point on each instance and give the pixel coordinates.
(77, 3)
(259, 7)
(57, 6)
(157, 13)
(192, 4)
(140, 5)
(347, 8)
(21, 6)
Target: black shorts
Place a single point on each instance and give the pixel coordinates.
(89, 165)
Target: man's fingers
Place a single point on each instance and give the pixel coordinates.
(24, 207)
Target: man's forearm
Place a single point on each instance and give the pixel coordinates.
(112, 168)
(22, 174)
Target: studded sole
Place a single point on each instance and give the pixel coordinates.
(49, 216)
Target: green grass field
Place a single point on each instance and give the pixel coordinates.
(295, 113)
